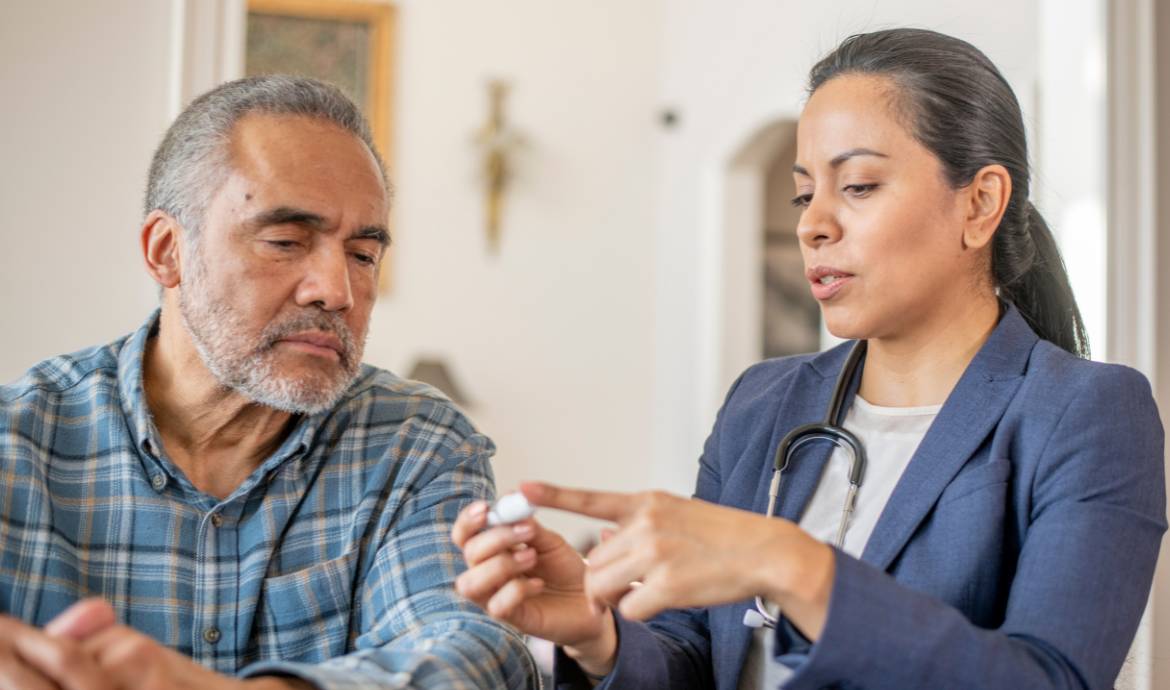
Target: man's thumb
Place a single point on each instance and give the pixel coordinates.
(81, 620)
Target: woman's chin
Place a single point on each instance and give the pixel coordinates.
(844, 326)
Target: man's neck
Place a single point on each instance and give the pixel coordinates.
(922, 367)
(213, 434)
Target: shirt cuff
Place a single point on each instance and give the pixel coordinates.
(343, 674)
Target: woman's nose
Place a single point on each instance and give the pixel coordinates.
(818, 224)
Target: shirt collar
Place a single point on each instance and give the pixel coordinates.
(134, 407)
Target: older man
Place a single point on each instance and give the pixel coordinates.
(227, 498)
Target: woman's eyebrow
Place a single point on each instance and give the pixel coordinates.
(841, 158)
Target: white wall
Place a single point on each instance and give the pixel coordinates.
(85, 103)
(730, 69)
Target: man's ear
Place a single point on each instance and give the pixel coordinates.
(161, 238)
(988, 195)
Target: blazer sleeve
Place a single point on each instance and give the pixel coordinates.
(1084, 572)
(672, 650)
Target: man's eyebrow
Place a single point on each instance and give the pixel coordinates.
(285, 215)
(841, 158)
(373, 232)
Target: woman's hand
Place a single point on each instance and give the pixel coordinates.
(530, 577)
(673, 552)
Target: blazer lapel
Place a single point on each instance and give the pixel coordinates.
(809, 401)
(968, 416)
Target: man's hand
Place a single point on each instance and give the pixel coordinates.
(134, 661)
(32, 659)
(82, 649)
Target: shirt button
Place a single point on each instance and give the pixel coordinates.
(217, 520)
(158, 481)
(211, 635)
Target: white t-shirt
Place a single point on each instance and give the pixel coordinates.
(890, 435)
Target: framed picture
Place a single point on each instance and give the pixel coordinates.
(348, 43)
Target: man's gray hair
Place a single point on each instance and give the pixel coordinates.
(193, 159)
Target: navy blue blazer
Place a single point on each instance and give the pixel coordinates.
(1016, 551)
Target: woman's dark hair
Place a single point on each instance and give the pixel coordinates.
(960, 107)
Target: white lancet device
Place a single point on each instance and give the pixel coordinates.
(509, 509)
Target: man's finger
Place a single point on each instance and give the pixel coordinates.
(81, 620)
(62, 660)
(603, 505)
(16, 674)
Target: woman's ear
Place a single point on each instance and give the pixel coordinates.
(161, 238)
(987, 200)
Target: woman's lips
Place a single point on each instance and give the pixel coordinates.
(827, 291)
(826, 281)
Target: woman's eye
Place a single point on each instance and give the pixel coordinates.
(860, 190)
(802, 200)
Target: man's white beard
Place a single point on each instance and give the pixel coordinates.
(249, 365)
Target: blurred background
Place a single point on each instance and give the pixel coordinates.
(591, 227)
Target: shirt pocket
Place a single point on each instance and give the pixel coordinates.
(306, 615)
(975, 479)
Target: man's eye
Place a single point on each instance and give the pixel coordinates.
(802, 200)
(365, 259)
(282, 244)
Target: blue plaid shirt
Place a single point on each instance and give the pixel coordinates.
(332, 562)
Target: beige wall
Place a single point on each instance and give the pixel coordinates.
(84, 103)
(552, 337)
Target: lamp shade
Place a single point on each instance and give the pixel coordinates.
(435, 372)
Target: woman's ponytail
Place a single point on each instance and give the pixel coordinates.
(1030, 274)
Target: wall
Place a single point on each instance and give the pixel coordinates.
(85, 103)
(552, 337)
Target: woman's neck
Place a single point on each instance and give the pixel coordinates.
(923, 366)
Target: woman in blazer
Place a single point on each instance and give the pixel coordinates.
(1007, 528)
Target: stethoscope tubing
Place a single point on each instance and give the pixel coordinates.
(828, 430)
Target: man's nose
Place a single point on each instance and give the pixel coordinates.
(326, 282)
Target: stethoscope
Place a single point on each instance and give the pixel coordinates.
(828, 430)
